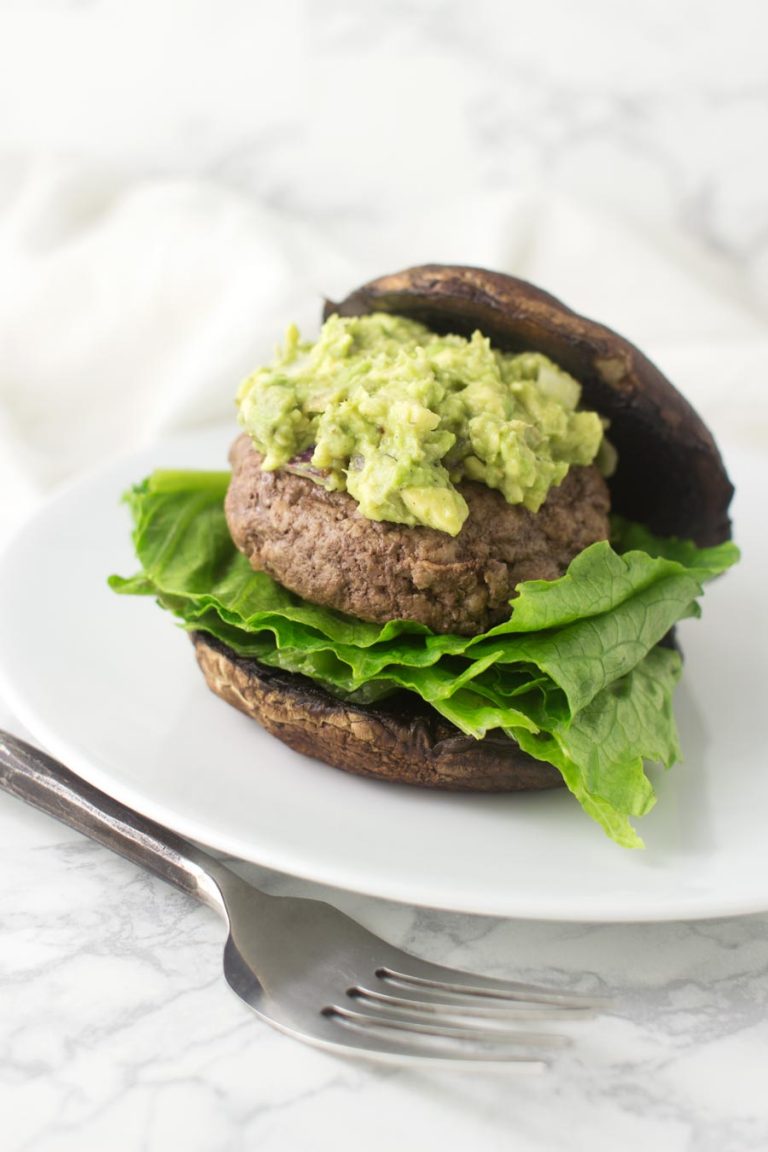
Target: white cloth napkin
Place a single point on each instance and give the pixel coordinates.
(132, 307)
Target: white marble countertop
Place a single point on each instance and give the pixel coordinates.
(118, 1031)
(373, 128)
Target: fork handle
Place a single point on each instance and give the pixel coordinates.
(45, 783)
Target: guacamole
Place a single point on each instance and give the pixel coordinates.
(385, 409)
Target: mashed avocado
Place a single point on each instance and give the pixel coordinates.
(383, 408)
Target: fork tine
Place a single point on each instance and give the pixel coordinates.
(476, 1032)
(412, 1000)
(347, 1037)
(435, 978)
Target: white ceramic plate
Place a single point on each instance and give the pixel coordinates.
(110, 686)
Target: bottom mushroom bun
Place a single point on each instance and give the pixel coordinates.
(399, 739)
(454, 544)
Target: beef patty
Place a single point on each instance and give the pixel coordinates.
(317, 544)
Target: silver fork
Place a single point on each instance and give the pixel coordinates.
(302, 965)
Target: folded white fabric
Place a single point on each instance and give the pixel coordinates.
(131, 307)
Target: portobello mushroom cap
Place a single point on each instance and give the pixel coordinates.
(670, 474)
(670, 477)
(400, 738)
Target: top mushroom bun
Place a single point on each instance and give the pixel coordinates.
(670, 475)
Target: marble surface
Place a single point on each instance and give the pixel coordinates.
(372, 130)
(119, 1031)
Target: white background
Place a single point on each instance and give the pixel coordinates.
(178, 181)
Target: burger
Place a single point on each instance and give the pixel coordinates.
(456, 537)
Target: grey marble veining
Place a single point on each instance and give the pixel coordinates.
(358, 124)
(118, 1030)
(346, 114)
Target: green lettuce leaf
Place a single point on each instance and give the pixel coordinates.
(575, 675)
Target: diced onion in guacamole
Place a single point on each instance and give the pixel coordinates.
(397, 416)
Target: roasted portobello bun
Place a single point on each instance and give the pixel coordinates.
(458, 532)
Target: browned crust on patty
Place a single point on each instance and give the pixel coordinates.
(670, 475)
(318, 545)
(401, 739)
